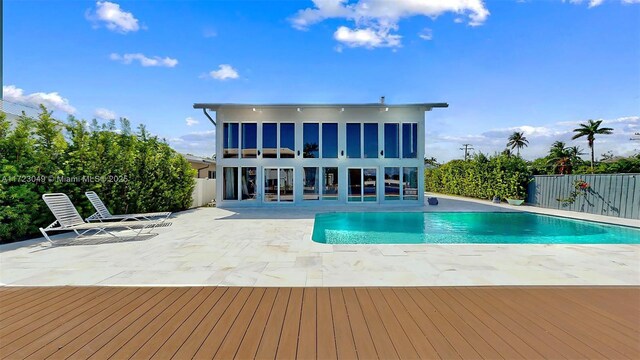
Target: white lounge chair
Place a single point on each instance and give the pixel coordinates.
(103, 214)
(68, 219)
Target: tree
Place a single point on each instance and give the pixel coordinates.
(560, 158)
(517, 140)
(590, 130)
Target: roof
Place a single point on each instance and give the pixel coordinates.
(193, 158)
(218, 106)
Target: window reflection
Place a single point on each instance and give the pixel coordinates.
(391, 141)
(353, 141)
(409, 141)
(370, 140)
(311, 183)
(311, 141)
(230, 184)
(392, 183)
(330, 140)
(230, 140)
(248, 179)
(269, 140)
(287, 140)
(410, 183)
(249, 140)
(330, 183)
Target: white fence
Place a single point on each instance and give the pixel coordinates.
(204, 192)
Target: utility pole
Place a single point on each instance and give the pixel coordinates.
(466, 148)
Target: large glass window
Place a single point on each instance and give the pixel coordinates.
(286, 185)
(330, 140)
(230, 140)
(369, 182)
(330, 183)
(392, 183)
(230, 184)
(353, 141)
(311, 139)
(410, 141)
(410, 183)
(249, 184)
(370, 140)
(355, 182)
(391, 141)
(249, 140)
(311, 183)
(270, 184)
(287, 140)
(269, 140)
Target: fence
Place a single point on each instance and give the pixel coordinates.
(204, 192)
(607, 194)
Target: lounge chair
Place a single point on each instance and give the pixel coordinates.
(68, 219)
(103, 214)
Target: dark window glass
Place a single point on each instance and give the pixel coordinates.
(287, 140)
(270, 184)
(286, 185)
(330, 183)
(410, 183)
(391, 139)
(330, 140)
(355, 185)
(230, 140)
(269, 140)
(409, 140)
(311, 184)
(249, 140)
(370, 140)
(392, 183)
(369, 184)
(311, 140)
(353, 141)
(230, 185)
(249, 183)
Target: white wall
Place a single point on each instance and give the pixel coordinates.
(204, 192)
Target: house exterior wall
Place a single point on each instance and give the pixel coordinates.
(203, 172)
(339, 115)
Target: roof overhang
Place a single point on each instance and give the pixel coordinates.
(222, 106)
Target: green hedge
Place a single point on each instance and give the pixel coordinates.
(131, 172)
(481, 177)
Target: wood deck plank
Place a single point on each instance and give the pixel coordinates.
(326, 338)
(213, 341)
(345, 345)
(307, 341)
(193, 343)
(249, 346)
(29, 294)
(185, 329)
(232, 340)
(83, 337)
(323, 323)
(268, 347)
(362, 338)
(288, 345)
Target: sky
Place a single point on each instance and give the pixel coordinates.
(540, 67)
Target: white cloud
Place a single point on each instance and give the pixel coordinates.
(52, 100)
(596, 3)
(105, 114)
(144, 60)
(202, 143)
(191, 121)
(368, 37)
(224, 72)
(426, 34)
(113, 17)
(445, 146)
(376, 19)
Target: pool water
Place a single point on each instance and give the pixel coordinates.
(464, 228)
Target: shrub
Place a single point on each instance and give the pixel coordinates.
(132, 172)
(481, 177)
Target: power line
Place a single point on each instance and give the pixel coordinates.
(466, 148)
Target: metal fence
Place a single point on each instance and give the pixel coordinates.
(607, 194)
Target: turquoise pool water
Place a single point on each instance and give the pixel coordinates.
(464, 228)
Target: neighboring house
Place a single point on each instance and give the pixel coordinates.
(14, 110)
(206, 167)
(319, 154)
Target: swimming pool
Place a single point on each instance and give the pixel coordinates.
(464, 228)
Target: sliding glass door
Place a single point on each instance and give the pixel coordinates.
(362, 185)
(278, 185)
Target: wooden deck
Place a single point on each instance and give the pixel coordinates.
(323, 323)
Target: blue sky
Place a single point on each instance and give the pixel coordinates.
(537, 66)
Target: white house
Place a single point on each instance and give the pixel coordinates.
(319, 154)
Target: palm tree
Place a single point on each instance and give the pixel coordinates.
(590, 129)
(560, 157)
(517, 141)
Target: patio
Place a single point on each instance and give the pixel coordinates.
(266, 247)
